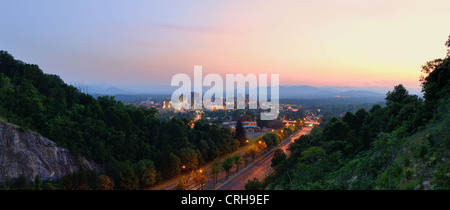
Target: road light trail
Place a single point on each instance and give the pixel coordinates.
(261, 167)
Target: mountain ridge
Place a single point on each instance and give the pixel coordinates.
(286, 91)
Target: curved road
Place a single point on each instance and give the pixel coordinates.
(261, 167)
(236, 181)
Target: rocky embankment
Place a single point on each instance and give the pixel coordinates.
(29, 154)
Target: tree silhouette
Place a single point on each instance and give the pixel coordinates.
(240, 133)
(397, 95)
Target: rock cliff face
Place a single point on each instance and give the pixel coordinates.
(29, 154)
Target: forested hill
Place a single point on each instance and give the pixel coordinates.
(405, 145)
(135, 148)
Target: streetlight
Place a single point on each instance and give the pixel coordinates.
(259, 142)
(201, 171)
(183, 167)
(246, 141)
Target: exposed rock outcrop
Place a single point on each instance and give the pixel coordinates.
(29, 154)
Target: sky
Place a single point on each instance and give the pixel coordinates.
(361, 43)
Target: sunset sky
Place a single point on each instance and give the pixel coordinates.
(339, 43)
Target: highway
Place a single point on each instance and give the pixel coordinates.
(170, 184)
(237, 180)
(261, 167)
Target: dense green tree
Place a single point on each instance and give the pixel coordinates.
(237, 160)
(215, 170)
(361, 114)
(240, 133)
(65, 183)
(336, 136)
(352, 121)
(82, 179)
(37, 183)
(146, 173)
(48, 185)
(435, 81)
(398, 95)
(190, 158)
(278, 157)
(270, 139)
(20, 183)
(227, 164)
(254, 184)
(128, 180)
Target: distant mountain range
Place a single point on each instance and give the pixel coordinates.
(286, 91)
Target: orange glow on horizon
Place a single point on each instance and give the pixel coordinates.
(363, 43)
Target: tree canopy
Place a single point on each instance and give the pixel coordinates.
(403, 145)
(136, 148)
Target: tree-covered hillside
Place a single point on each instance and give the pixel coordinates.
(405, 145)
(135, 148)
